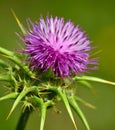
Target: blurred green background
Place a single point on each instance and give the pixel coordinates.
(97, 18)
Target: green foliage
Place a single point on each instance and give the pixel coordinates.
(36, 90)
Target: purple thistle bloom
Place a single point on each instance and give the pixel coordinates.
(51, 43)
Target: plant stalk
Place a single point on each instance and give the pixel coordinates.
(23, 119)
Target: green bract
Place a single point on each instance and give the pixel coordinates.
(41, 91)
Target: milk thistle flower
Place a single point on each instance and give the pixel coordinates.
(59, 45)
(55, 44)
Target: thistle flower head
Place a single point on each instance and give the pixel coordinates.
(62, 46)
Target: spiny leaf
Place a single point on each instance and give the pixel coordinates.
(20, 97)
(84, 102)
(6, 52)
(85, 83)
(5, 77)
(35, 101)
(11, 56)
(75, 106)
(65, 100)
(9, 96)
(28, 105)
(94, 79)
(18, 22)
(43, 109)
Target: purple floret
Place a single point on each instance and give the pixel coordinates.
(51, 43)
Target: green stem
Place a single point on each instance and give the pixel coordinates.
(23, 119)
(43, 115)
